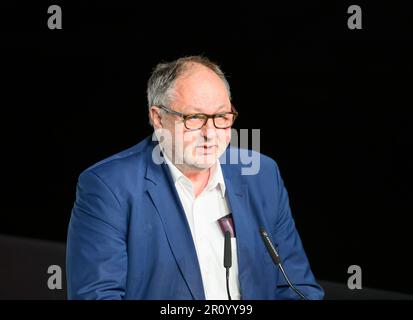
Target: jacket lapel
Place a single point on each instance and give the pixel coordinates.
(169, 207)
(237, 194)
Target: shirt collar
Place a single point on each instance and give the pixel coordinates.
(216, 177)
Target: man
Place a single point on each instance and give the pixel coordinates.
(148, 222)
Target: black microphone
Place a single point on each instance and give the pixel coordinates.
(227, 258)
(277, 260)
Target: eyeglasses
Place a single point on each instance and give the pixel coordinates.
(196, 121)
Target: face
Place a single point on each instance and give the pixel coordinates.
(199, 90)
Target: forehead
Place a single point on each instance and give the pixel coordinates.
(200, 88)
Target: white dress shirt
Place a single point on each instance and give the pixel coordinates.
(202, 214)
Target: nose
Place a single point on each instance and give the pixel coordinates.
(208, 130)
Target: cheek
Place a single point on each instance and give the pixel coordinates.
(168, 126)
(178, 132)
(190, 138)
(225, 136)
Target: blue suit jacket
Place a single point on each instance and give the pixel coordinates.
(128, 236)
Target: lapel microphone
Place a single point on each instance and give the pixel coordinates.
(227, 227)
(227, 258)
(277, 261)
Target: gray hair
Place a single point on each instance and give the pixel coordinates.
(162, 80)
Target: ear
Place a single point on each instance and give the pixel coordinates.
(156, 118)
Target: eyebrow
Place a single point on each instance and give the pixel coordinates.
(196, 109)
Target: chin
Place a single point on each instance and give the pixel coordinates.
(202, 163)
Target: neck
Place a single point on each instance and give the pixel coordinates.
(199, 178)
(195, 175)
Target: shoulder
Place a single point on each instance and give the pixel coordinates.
(249, 162)
(122, 164)
(249, 165)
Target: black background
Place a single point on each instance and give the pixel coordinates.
(333, 105)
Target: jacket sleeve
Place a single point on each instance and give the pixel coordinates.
(290, 248)
(96, 258)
